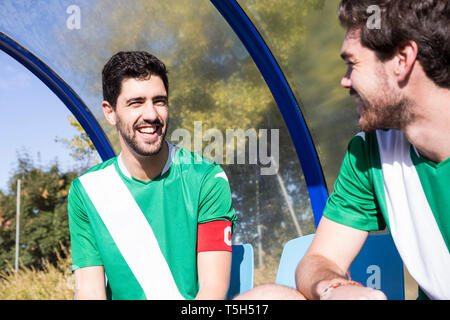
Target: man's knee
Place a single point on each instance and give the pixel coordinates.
(270, 292)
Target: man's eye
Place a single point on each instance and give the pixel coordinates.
(161, 103)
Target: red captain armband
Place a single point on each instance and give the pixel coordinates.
(214, 236)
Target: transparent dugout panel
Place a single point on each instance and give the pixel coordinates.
(305, 38)
(216, 94)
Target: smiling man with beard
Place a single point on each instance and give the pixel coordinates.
(156, 219)
(396, 171)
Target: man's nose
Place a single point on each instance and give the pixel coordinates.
(149, 112)
(346, 82)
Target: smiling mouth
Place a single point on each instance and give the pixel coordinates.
(149, 132)
(355, 95)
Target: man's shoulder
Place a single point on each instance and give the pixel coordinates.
(95, 168)
(385, 138)
(193, 162)
(372, 149)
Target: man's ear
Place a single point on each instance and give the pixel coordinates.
(404, 60)
(109, 113)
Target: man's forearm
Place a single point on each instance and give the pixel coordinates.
(90, 283)
(86, 294)
(213, 291)
(314, 273)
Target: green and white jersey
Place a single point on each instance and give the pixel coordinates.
(145, 233)
(384, 180)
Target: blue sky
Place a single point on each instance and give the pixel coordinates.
(31, 117)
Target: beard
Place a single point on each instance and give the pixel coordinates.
(384, 115)
(386, 109)
(143, 148)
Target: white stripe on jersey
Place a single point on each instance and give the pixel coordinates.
(131, 232)
(412, 223)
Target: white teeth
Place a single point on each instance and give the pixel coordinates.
(147, 130)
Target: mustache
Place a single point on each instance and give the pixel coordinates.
(148, 123)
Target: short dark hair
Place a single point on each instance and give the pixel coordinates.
(130, 64)
(426, 22)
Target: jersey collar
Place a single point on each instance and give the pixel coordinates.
(125, 172)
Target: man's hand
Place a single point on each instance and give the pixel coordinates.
(331, 253)
(353, 292)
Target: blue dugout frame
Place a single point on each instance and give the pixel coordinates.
(264, 60)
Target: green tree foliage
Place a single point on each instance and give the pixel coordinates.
(43, 214)
(81, 147)
(82, 150)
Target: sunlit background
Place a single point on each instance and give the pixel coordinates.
(212, 79)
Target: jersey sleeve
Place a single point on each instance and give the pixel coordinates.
(83, 244)
(215, 197)
(353, 202)
(216, 216)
